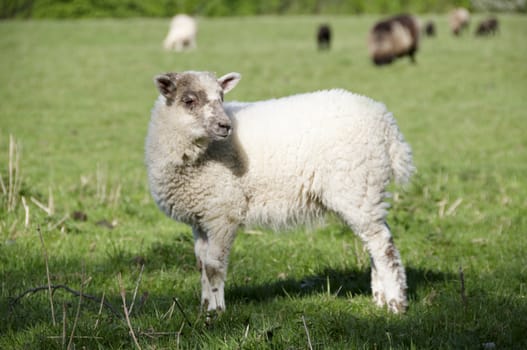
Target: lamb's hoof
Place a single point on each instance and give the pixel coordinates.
(379, 299)
(211, 316)
(397, 307)
(209, 319)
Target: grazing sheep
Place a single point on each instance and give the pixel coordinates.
(430, 29)
(458, 19)
(218, 165)
(182, 34)
(488, 26)
(324, 37)
(392, 38)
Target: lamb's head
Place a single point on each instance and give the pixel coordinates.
(195, 99)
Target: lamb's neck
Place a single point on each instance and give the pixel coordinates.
(185, 152)
(169, 147)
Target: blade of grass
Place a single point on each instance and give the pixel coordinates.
(45, 253)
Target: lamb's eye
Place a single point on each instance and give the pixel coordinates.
(189, 101)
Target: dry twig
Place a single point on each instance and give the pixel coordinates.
(453, 207)
(123, 296)
(41, 206)
(51, 202)
(60, 222)
(176, 300)
(169, 312)
(78, 308)
(307, 333)
(245, 335)
(14, 174)
(68, 289)
(26, 210)
(2, 185)
(75, 337)
(100, 311)
(136, 287)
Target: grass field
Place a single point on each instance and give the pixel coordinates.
(75, 98)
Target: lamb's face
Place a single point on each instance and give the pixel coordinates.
(197, 100)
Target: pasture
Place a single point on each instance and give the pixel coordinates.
(75, 210)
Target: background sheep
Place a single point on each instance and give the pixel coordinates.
(488, 26)
(430, 29)
(182, 34)
(458, 20)
(392, 38)
(286, 161)
(324, 36)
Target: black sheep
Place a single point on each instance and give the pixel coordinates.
(324, 37)
(430, 28)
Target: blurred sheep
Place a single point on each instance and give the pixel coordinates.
(324, 37)
(392, 38)
(488, 26)
(182, 34)
(430, 29)
(458, 19)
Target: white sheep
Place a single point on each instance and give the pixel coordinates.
(216, 166)
(458, 19)
(182, 34)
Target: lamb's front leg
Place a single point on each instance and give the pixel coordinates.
(212, 251)
(200, 249)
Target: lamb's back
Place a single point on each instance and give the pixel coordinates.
(298, 128)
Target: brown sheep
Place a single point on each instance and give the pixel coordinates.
(392, 38)
(458, 19)
(488, 26)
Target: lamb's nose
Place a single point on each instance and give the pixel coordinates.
(225, 127)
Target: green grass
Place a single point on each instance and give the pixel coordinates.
(76, 97)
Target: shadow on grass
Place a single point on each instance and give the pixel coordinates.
(179, 253)
(487, 318)
(341, 283)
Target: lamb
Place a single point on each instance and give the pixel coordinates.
(218, 165)
(324, 37)
(182, 34)
(394, 37)
(458, 19)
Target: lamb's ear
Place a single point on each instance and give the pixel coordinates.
(166, 84)
(229, 81)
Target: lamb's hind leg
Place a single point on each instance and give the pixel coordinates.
(365, 214)
(388, 277)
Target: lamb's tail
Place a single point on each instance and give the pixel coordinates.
(400, 153)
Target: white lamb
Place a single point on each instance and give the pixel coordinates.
(182, 34)
(216, 166)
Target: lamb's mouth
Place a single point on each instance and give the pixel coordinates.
(218, 136)
(222, 131)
